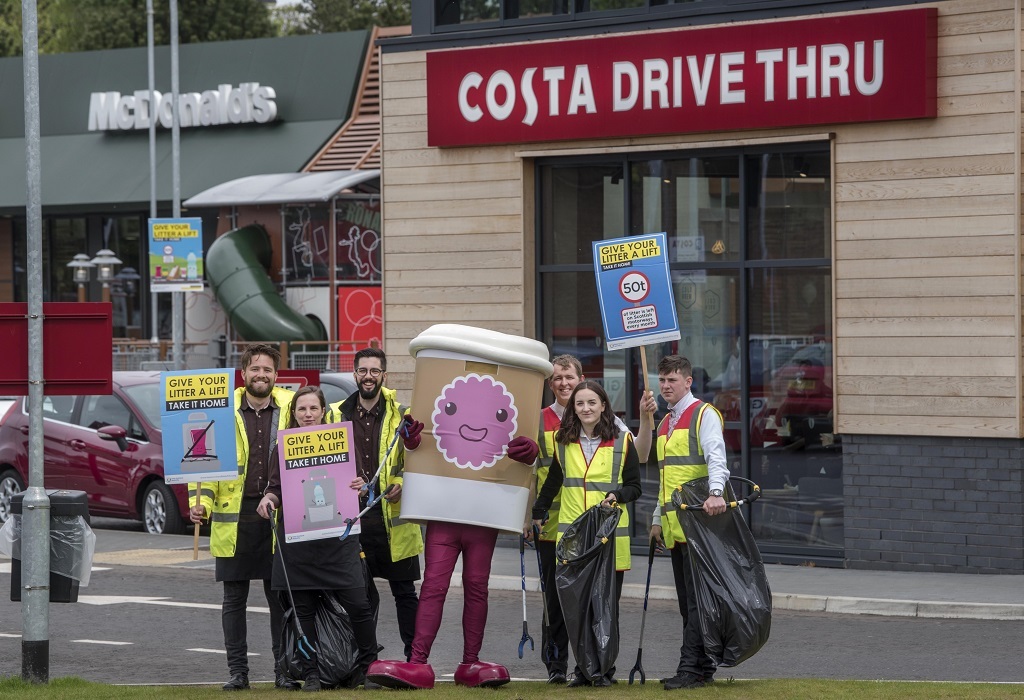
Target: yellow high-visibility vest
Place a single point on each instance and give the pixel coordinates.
(680, 459)
(586, 485)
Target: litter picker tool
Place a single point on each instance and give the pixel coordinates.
(550, 651)
(638, 667)
(304, 646)
(678, 497)
(522, 569)
(371, 486)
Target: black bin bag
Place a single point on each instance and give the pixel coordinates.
(585, 579)
(337, 652)
(733, 597)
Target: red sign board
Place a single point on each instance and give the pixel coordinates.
(360, 314)
(77, 349)
(827, 70)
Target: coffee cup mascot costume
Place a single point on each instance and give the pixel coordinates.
(468, 478)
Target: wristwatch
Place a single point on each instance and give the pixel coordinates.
(716, 492)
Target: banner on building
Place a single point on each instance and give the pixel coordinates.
(837, 69)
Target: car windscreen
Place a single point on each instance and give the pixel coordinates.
(147, 398)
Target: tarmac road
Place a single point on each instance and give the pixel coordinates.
(163, 641)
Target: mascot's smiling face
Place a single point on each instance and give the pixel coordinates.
(474, 419)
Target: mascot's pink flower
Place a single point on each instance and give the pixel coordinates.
(474, 419)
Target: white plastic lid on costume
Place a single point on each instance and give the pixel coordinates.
(502, 348)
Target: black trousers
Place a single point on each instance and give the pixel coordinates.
(554, 638)
(364, 629)
(692, 656)
(236, 595)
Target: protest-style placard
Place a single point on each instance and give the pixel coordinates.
(634, 290)
(317, 466)
(197, 421)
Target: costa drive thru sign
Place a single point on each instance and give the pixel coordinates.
(634, 289)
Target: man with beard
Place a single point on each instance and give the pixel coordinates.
(240, 540)
(391, 546)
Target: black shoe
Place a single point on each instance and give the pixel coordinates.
(684, 681)
(370, 685)
(602, 682)
(578, 681)
(708, 680)
(283, 682)
(312, 684)
(556, 678)
(239, 681)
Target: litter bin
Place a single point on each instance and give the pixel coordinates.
(70, 546)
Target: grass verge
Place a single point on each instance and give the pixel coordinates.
(788, 689)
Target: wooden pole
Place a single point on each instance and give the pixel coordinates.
(643, 366)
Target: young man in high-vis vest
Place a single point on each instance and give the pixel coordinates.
(241, 541)
(690, 445)
(568, 372)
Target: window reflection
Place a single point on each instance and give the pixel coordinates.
(467, 11)
(790, 193)
(590, 207)
(695, 201)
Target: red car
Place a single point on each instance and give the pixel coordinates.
(108, 446)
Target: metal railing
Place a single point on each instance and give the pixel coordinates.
(326, 356)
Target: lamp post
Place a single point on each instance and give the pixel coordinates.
(80, 266)
(104, 262)
(128, 278)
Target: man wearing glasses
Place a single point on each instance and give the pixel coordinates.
(391, 546)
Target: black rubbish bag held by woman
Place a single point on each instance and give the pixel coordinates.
(585, 578)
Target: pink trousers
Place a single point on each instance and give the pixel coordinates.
(444, 543)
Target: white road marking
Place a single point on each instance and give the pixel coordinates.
(147, 600)
(12, 636)
(5, 568)
(218, 651)
(100, 641)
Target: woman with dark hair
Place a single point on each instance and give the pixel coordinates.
(594, 463)
(319, 566)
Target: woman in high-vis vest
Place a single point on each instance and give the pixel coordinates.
(317, 567)
(594, 463)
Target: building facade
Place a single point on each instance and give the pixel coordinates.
(840, 184)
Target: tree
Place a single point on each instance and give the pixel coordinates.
(322, 16)
(90, 25)
(10, 27)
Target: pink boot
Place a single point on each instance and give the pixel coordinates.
(402, 675)
(481, 674)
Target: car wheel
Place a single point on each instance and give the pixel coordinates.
(10, 484)
(160, 510)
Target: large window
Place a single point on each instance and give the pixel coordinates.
(749, 243)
